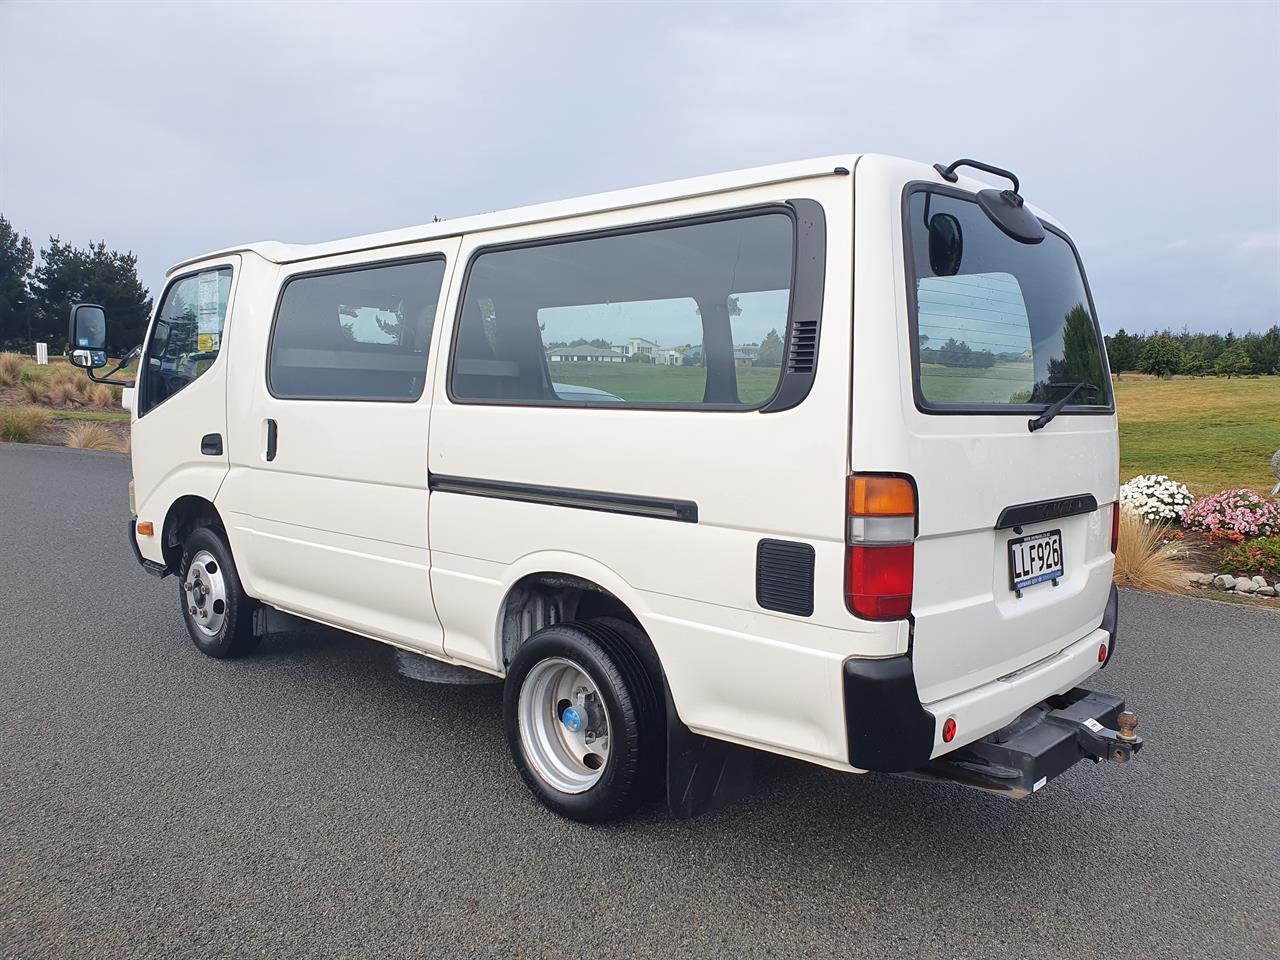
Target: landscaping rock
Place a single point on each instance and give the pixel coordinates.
(1224, 582)
(1245, 585)
(1266, 591)
(1260, 582)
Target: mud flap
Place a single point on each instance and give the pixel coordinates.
(703, 774)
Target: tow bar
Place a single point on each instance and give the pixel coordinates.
(1047, 739)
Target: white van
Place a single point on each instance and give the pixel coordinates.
(818, 459)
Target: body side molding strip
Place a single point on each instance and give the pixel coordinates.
(659, 508)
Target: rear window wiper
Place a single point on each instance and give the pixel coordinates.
(1055, 408)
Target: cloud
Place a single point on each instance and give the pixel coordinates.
(172, 129)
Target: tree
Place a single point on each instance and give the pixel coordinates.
(70, 275)
(770, 352)
(1195, 365)
(1264, 350)
(1233, 362)
(1122, 351)
(1162, 356)
(16, 257)
(1081, 361)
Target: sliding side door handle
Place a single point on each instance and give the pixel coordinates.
(271, 439)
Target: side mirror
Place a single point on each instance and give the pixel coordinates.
(88, 336)
(946, 245)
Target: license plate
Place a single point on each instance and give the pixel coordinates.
(1035, 559)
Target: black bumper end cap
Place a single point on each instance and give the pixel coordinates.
(155, 569)
(888, 730)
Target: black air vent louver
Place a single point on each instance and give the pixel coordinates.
(803, 355)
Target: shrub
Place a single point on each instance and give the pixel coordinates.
(1234, 515)
(1143, 557)
(1257, 557)
(102, 395)
(63, 391)
(1156, 498)
(34, 390)
(11, 367)
(19, 424)
(89, 435)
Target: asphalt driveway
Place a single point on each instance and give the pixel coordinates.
(308, 801)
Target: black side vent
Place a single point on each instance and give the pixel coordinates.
(804, 319)
(784, 576)
(803, 355)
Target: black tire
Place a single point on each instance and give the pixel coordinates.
(234, 635)
(599, 650)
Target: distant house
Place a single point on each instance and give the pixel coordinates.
(636, 347)
(669, 356)
(583, 353)
(693, 358)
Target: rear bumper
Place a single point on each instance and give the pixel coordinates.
(1044, 741)
(889, 730)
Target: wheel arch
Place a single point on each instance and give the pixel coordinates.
(548, 588)
(185, 514)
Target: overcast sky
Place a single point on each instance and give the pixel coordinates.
(1151, 130)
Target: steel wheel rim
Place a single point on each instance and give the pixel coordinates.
(566, 747)
(204, 593)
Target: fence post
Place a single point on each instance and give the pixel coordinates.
(42, 354)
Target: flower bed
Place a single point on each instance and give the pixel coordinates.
(1236, 515)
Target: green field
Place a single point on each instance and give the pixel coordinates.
(655, 383)
(1207, 433)
(997, 384)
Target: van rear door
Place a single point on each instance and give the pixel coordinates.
(1013, 554)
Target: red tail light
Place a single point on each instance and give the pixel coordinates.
(880, 554)
(879, 581)
(1115, 526)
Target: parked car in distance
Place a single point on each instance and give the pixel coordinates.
(817, 459)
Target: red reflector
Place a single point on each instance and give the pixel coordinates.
(878, 581)
(949, 730)
(1102, 653)
(1115, 526)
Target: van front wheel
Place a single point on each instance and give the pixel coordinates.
(215, 608)
(582, 720)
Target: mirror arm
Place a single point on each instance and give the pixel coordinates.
(128, 359)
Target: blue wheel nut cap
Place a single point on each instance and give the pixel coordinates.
(571, 719)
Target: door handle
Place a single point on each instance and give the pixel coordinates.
(211, 444)
(271, 439)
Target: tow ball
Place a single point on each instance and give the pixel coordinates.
(1125, 743)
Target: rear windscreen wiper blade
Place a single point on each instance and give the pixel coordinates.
(1055, 408)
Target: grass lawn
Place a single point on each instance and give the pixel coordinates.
(101, 416)
(656, 383)
(995, 384)
(1207, 433)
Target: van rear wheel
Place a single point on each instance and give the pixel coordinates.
(582, 720)
(215, 608)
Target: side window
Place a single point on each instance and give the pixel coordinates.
(685, 315)
(358, 334)
(186, 335)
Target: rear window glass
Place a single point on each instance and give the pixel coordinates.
(998, 322)
(688, 315)
(361, 334)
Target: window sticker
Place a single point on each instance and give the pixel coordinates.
(208, 316)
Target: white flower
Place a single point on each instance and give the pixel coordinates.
(1156, 497)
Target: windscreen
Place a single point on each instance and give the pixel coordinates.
(998, 323)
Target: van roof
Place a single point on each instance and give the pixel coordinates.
(277, 252)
